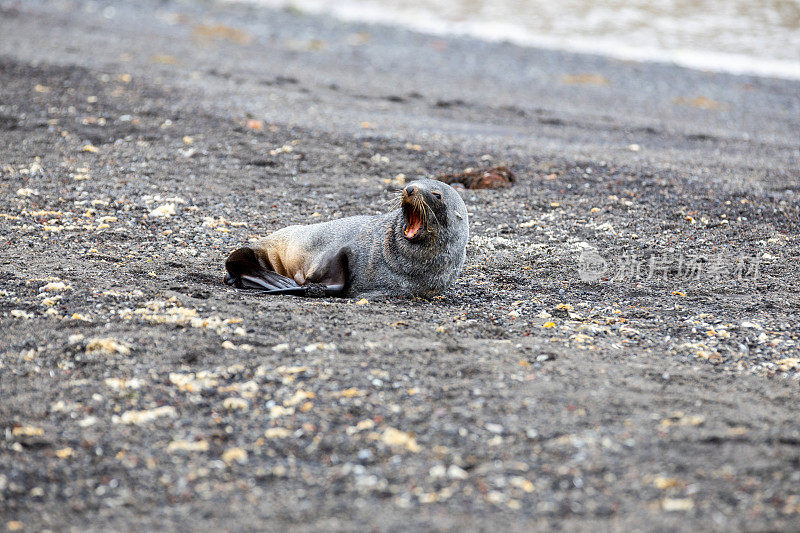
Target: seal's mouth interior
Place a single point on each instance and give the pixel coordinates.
(414, 219)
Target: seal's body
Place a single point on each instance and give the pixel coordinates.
(417, 249)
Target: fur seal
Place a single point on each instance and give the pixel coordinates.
(417, 249)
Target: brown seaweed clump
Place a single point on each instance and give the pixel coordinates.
(492, 178)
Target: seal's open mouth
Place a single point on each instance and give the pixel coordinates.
(413, 222)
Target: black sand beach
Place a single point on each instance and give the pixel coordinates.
(620, 353)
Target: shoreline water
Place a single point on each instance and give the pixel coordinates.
(608, 45)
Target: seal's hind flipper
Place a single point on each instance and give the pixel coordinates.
(245, 271)
(266, 280)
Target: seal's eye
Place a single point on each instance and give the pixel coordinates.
(437, 194)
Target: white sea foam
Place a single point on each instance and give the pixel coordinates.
(736, 36)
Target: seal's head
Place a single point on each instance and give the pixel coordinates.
(428, 238)
(432, 211)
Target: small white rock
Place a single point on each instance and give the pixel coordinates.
(88, 421)
(438, 471)
(164, 211)
(456, 472)
(494, 428)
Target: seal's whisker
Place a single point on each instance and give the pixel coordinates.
(429, 209)
(432, 213)
(393, 202)
(419, 205)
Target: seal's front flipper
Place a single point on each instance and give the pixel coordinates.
(332, 272)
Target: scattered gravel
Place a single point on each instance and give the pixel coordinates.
(621, 350)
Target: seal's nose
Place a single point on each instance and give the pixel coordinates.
(410, 190)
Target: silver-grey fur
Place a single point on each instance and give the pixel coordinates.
(382, 261)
